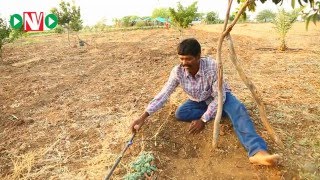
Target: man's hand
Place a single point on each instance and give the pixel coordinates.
(196, 126)
(136, 124)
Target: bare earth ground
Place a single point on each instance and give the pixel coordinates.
(65, 110)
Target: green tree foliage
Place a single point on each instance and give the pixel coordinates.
(16, 33)
(59, 29)
(128, 21)
(251, 7)
(101, 25)
(313, 14)
(8, 34)
(76, 22)
(200, 16)
(140, 23)
(68, 16)
(231, 17)
(183, 16)
(283, 23)
(4, 33)
(212, 18)
(265, 16)
(160, 12)
(116, 22)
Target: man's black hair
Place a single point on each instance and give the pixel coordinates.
(189, 46)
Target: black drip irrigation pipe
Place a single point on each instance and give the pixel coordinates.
(121, 155)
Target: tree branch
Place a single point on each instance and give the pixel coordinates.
(249, 84)
(220, 69)
(254, 91)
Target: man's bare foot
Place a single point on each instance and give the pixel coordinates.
(264, 158)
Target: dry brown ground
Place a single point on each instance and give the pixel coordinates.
(65, 110)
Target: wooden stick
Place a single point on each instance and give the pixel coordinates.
(120, 157)
(220, 69)
(254, 91)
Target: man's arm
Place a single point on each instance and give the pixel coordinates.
(136, 124)
(213, 106)
(158, 101)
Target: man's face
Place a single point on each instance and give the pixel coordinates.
(190, 63)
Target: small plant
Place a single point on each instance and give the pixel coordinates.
(142, 167)
(283, 23)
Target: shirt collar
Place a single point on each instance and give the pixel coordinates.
(201, 68)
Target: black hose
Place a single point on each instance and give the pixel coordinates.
(121, 155)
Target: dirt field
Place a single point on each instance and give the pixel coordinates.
(65, 110)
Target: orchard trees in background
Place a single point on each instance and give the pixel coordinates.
(69, 16)
(116, 22)
(128, 21)
(212, 18)
(4, 33)
(183, 16)
(17, 33)
(8, 34)
(265, 16)
(160, 12)
(101, 25)
(231, 17)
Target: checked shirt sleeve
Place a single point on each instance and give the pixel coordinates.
(159, 100)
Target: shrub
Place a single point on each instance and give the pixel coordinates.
(283, 23)
(4, 32)
(59, 29)
(140, 23)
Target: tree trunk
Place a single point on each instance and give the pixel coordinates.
(68, 28)
(220, 68)
(68, 36)
(283, 45)
(216, 127)
(254, 91)
(249, 84)
(0, 52)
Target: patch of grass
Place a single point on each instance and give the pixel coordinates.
(123, 29)
(22, 165)
(308, 176)
(41, 33)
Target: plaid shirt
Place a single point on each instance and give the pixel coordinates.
(202, 87)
